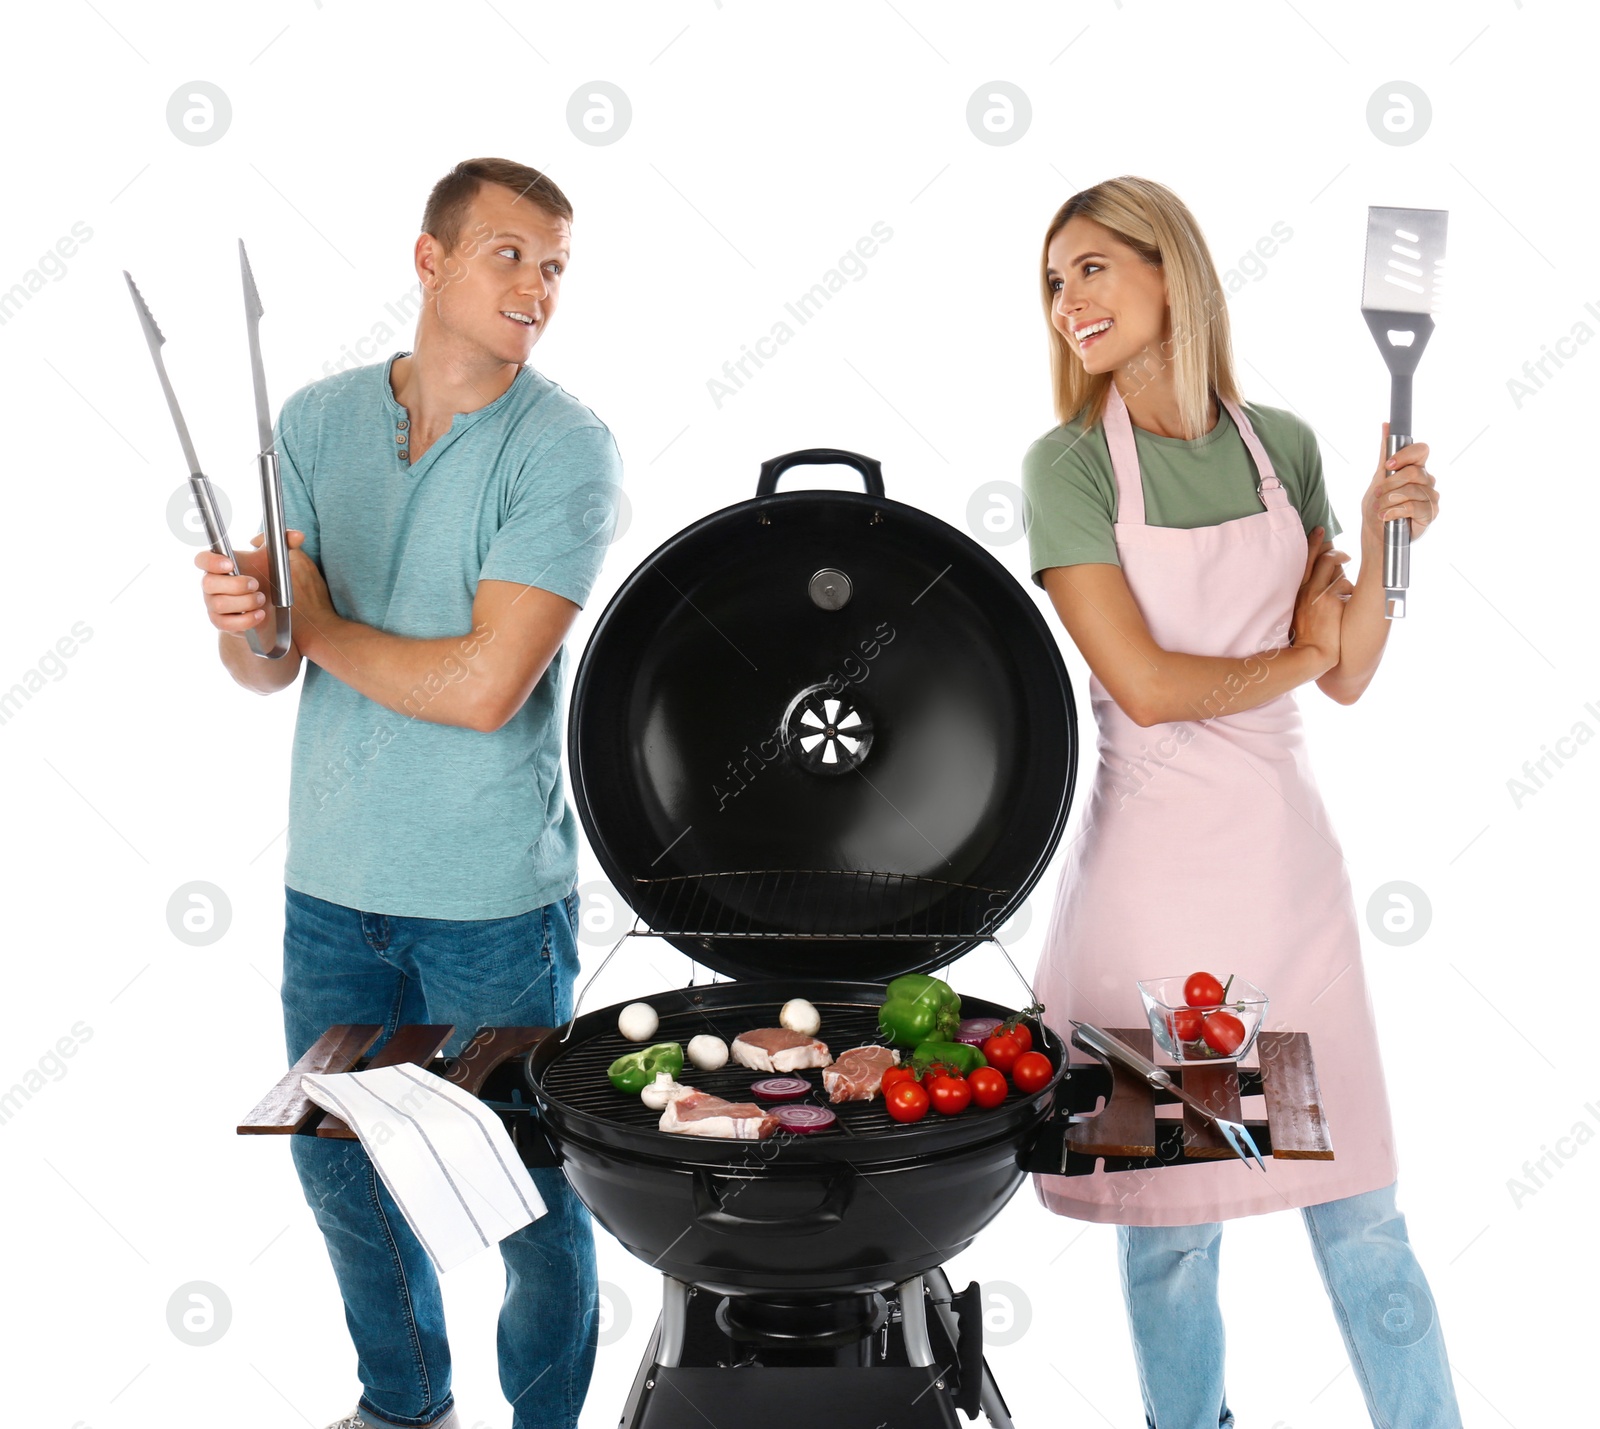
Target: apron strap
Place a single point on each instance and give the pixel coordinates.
(1268, 487)
(1125, 460)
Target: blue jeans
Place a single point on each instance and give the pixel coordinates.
(1379, 1295)
(341, 965)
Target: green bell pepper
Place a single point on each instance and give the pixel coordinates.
(919, 1009)
(960, 1055)
(637, 1070)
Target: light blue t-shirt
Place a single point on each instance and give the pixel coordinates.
(394, 814)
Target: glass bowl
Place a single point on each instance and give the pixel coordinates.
(1163, 997)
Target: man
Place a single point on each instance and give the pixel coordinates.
(448, 511)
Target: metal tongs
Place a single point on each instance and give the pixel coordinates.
(1235, 1133)
(271, 639)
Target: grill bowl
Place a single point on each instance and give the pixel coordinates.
(861, 1206)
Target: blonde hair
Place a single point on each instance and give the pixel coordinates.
(1156, 224)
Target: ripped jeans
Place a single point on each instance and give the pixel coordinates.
(1378, 1292)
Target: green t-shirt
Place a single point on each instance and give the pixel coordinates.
(1071, 489)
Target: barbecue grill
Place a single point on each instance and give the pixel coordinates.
(817, 739)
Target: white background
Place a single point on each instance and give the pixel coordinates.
(765, 140)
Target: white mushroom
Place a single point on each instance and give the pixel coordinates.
(638, 1022)
(798, 1015)
(661, 1091)
(707, 1053)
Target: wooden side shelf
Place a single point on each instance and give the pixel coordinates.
(1127, 1128)
(286, 1110)
(409, 1044)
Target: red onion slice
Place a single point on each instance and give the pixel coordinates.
(780, 1089)
(974, 1030)
(805, 1119)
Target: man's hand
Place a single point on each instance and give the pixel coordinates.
(315, 619)
(235, 603)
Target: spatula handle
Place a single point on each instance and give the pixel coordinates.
(1396, 544)
(1397, 533)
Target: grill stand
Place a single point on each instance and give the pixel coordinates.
(691, 1368)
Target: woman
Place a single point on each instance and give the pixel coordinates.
(1181, 542)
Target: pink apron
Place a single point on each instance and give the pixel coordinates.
(1206, 846)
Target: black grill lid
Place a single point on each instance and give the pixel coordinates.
(822, 734)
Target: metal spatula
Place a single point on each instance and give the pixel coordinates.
(1400, 292)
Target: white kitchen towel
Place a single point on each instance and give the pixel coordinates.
(446, 1158)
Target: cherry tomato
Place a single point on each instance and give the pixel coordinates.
(1184, 1024)
(949, 1094)
(1019, 1031)
(1002, 1051)
(989, 1088)
(1223, 1032)
(894, 1075)
(1202, 990)
(906, 1101)
(1031, 1072)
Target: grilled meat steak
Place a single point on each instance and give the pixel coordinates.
(857, 1075)
(777, 1049)
(697, 1113)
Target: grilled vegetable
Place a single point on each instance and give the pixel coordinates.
(708, 1053)
(806, 1119)
(663, 1090)
(956, 1055)
(1032, 1072)
(1002, 1050)
(919, 1009)
(949, 1095)
(638, 1022)
(989, 1088)
(974, 1030)
(780, 1089)
(906, 1101)
(798, 1015)
(635, 1071)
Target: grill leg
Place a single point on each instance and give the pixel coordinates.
(914, 1322)
(674, 1319)
(989, 1397)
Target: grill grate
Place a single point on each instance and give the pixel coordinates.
(577, 1076)
(819, 903)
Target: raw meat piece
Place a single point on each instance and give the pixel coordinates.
(777, 1049)
(857, 1075)
(698, 1113)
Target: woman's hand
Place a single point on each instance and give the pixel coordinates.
(1319, 606)
(1401, 486)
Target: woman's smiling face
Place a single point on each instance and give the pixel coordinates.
(1097, 278)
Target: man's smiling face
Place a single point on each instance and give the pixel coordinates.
(498, 289)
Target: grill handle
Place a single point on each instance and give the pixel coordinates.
(711, 1210)
(871, 470)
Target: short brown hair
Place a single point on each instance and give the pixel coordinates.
(446, 212)
(1158, 226)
